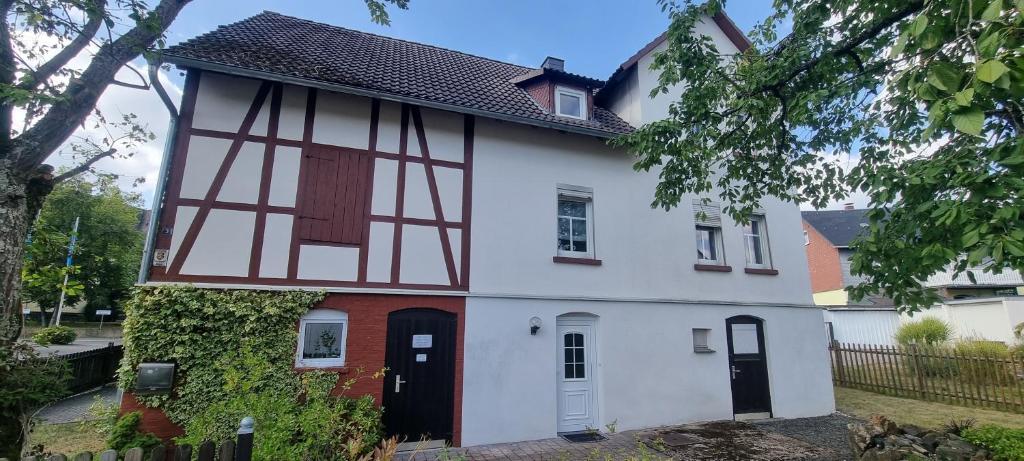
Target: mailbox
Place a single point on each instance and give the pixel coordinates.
(154, 378)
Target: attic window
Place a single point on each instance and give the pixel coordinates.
(570, 102)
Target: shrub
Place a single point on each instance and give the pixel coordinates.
(59, 334)
(125, 434)
(927, 331)
(1005, 444)
(989, 362)
(311, 425)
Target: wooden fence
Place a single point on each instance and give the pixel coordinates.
(934, 373)
(228, 450)
(91, 369)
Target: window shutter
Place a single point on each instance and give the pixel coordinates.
(707, 214)
(334, 195)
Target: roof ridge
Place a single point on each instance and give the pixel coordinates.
(269, 12)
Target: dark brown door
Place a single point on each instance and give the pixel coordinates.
(419, 386)
(748, 365)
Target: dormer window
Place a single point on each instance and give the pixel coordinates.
(570, 102)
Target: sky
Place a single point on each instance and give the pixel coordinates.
(592, 36)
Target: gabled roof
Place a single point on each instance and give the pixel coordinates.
(722, 20)
(839, 226)
(278, 47)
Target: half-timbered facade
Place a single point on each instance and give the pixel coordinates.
(478, 236)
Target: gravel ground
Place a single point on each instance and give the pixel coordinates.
(823, 431)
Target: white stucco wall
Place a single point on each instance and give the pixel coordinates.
(990, 319)
(648, 374)
(864, 326)
(646, 253)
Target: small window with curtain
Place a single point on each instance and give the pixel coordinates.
(575, 222)
(322, 337)
(756, 239)
(708, 219)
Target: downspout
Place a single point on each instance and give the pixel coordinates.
(165, 164)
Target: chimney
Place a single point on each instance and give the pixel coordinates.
(848, 206)
(553, 64)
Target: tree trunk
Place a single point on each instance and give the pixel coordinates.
(20, 197)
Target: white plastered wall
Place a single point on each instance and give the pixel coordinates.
(646, 253)
(648, 374)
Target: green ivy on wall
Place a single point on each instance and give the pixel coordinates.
(213, 336)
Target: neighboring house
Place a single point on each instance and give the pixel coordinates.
(827, 238)
(472, 211)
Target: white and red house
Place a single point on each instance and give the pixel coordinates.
(479, 237)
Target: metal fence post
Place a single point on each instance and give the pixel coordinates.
(243, 451)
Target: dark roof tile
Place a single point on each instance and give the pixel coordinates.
(839, 226)
(276, 44)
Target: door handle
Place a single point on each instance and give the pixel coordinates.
(734, 371)
(398, 383)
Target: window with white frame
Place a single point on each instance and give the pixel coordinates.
(575, 222)
(755, 236)
(708, 218)
(570, 102)
(322, 337)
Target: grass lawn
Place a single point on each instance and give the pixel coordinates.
(68, 438)
(918, 412)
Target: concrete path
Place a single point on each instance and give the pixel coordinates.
(76, 408)
(817, 439)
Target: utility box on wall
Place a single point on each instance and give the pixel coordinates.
(154, 378)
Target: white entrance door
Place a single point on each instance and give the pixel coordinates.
(577, 391)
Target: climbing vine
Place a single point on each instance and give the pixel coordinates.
(213, 335)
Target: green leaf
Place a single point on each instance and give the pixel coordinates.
(897, 48)
(919, 25)
(989, 42)
(969, 121)
(993, 11)
(970, 238)
(989, 71)
(944, 76)
(964, 97)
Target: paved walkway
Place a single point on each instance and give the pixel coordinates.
(76, 408)
(818, 439)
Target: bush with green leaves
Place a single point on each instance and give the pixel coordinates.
(1005, 444)
(988, 361)
(27, 382)
(312, 424)
(125, 434)
(202, 332)
(58, 334)
(927, 331)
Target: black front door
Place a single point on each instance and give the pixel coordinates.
(748, 367)
(419, 386)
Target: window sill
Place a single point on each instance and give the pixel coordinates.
(340, 369)
(712, 267)
(572, 260)
(752, 270)
(703, 350)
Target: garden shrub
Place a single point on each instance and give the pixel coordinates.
(926, 336)
(126, 435)
(58, 334)
(1005, 444)
(234, 351)
(990, 361)
(927, 331)
(203, 331)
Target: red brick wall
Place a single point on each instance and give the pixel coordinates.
(367, 338)
(542, 91)
(823, 262)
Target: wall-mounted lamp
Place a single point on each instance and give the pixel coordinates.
(534, 325)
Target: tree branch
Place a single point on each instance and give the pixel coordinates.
(61, 59)
(846, 47)
(81, 95)
(84, 166)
